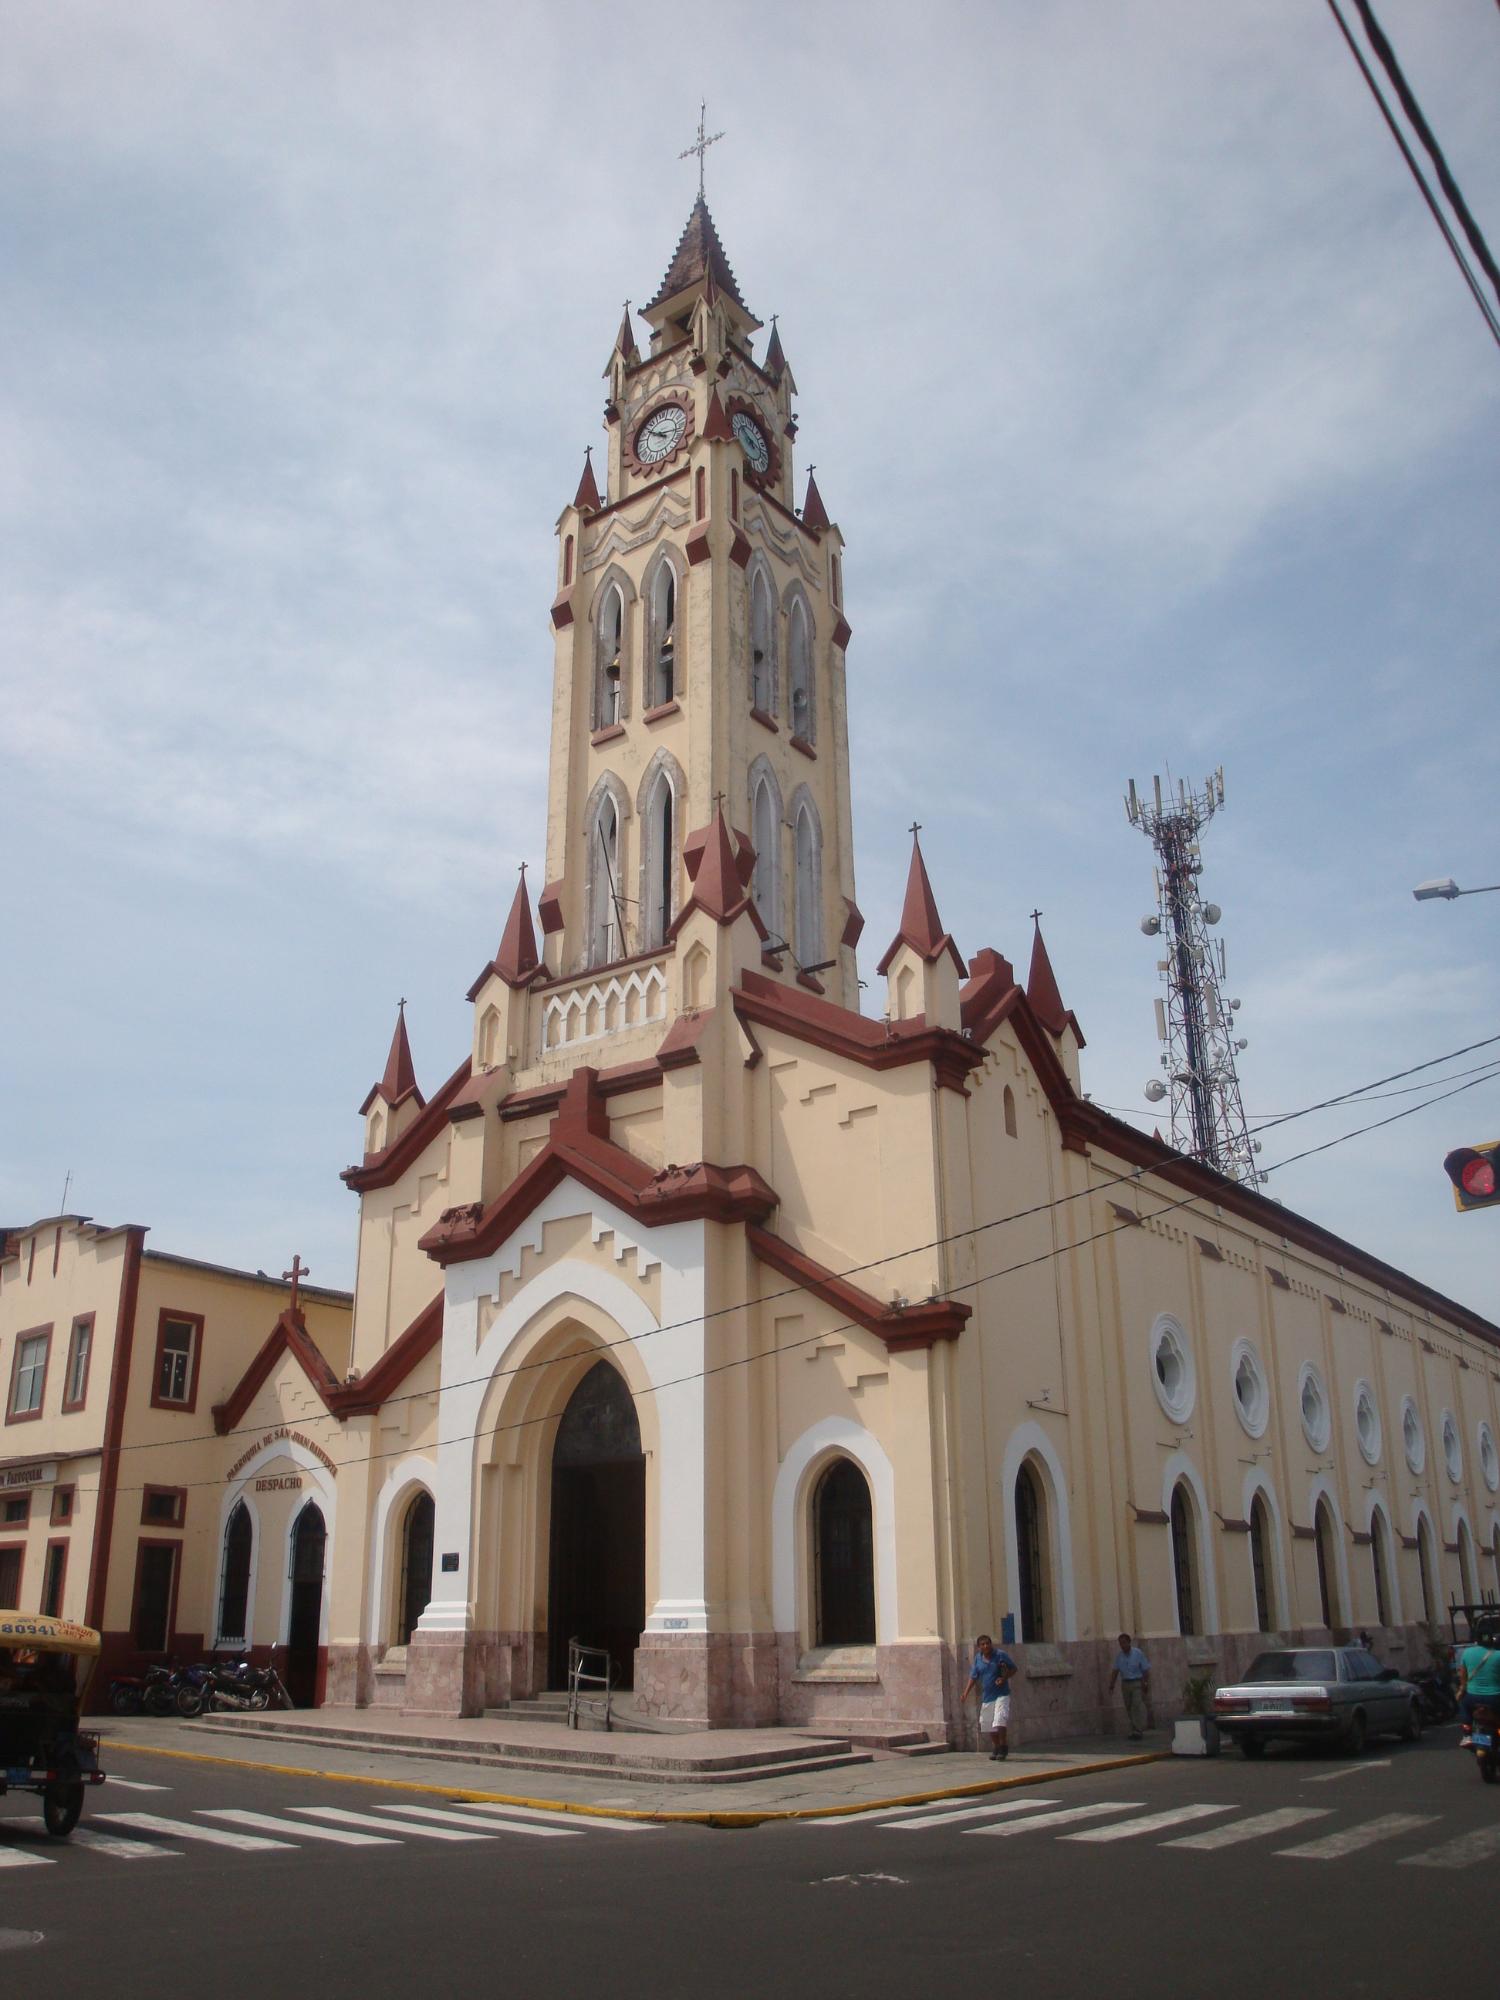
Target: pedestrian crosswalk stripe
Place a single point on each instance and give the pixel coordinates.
(344, 1817)
(972, 1812)
(1150, 1823)
(12, 1857)
(269, 1823)
(1333, 1846)
(1460, 1853)
(123, 1848)
(1255, 1828)
(399, 1814)
(492, 1809)
(134, 1784)
(181, 1829)
(1063, 1818)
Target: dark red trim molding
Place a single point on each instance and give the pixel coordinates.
(114, 1420)
(900, 1327)
(385, 1168)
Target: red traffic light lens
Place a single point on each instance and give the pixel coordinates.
(1477, 1177)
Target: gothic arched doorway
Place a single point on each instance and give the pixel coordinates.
(844, 1553)
(304, 1626)
(597, 1585)
(416, 1566)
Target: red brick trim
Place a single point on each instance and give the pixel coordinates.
(841, 635)
(114, 1419)
(766, 721)
(55, 1542)
(12, 1414)
(641, 492)
(176, 1494)
(353, 1399)
(562, 610)
(80, 1319)
(873, 1044)
(801, 743)
(546, 1097)
(900, 1327)
(385, 1168)
(156, 1542)
(288, 1335)
(739, 550)
(1150, 1517)
(662, 710)
(697, 548)
(54, 1518)
(185, 1405)
(607, 734)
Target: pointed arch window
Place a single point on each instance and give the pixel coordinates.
(762, 654)
(1324, 1546)
(1380, 1563)
(567, 560)
(416, 1566)
(1009, 1106)
(606, 924)
(808, 853)
(766, 883)
(1184, 1560)
(234, 1577)
(1425, 1569)
(658, 861)
(1468, 1573)
(663, 670)
(800, 707)
(844, 1557)
(1260, 1563)
(609, 660)
(1031, 1555)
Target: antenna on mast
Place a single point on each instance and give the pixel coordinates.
(1194, 1022)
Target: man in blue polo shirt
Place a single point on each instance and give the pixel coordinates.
(1133, 1671)
(990, 1676)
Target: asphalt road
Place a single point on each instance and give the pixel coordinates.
(1373, 1878)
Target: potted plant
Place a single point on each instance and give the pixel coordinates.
(1195, 1733)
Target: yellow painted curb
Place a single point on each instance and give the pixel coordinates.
(716, 1818)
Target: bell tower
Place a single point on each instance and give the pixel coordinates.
(699, 650)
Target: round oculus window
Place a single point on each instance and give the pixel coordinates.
(1367, 1423)
(1489, 1458)
(1412, 1441)
(1453, 1455)
(1172, 1375)
(1252, 1398)
(1312, 1400)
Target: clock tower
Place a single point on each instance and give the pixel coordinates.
(699, 666)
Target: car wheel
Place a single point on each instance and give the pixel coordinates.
(1356, 1730)
(1252, 1747)
(1411, 1729)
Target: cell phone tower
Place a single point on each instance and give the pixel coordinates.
(1195, 1023)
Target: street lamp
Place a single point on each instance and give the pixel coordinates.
(1448, 889)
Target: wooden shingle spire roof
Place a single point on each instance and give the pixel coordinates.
(699, 258)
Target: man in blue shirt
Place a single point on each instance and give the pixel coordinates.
(1133, 1671)
(990, 1677)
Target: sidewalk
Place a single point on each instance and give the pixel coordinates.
(525, 1763)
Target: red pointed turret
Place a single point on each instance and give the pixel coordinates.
(587, 499)
(716, 427)
(518, 957)
(400, 1080)
(625, 345)
(921, 926)
(814, 513)
(716, 860)
(1042, 989)
(775, 361)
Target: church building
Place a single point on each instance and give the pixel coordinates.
(777, 1347)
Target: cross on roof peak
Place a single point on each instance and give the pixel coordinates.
(297, 1273)
(701, 144)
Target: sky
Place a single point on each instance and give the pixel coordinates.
(1156, 416)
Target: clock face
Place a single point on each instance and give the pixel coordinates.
(752, 442)
(661, 434)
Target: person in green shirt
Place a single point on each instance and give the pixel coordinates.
(1478, 1678)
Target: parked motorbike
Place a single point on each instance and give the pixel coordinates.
(151, 1693)
(192, 1690)
(1484, 1740)
(239, 1685)
(1437, 1695)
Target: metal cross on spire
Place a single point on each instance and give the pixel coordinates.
(297, 1273)
(704, 140)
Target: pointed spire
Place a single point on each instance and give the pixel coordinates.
(518, 956)
(775, 361)
(1041, 984)
(716, 427)
(814, 513)
(921, 926)
(699, 256)
(717, 887)
(625, 345)
(400, 1079)
(586, 499)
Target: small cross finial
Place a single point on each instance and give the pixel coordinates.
(718, 801)
(401, 1005)
(702, 144)
(523, 871)
(297, 1273)
(1036, 916)
(916, 826)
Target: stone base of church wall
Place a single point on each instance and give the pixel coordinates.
(719, 1680)
(351, 1676)
(912, 1685)
(464, 1673)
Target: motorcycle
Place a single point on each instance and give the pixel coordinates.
(1484, 1740)
(1435, 1692)
(239, 1685)
(192, 1690)
(151, 1693)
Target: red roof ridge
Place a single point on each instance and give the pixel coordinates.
(517, 961)
(921, 1324)
(387, 1166)
(400, 1079)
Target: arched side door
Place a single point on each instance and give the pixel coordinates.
(304, 1626)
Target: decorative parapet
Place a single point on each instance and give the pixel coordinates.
(603, 1003)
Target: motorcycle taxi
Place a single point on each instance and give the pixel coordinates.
(46, 1665)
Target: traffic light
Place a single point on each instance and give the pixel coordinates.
(1475, 1174)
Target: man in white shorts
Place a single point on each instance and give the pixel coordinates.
(990, 1678)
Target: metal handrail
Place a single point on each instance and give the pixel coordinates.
(582, 1674)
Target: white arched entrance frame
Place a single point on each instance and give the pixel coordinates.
(1376, 1505)
(402, 1484)
(1258, 1482)
(670, 1352)
(834, 1437)
(1321, 1488)
(1029, 1440)
(323, 1490)
(239, 1494)
(1180, 1466)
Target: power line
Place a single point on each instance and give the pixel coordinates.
(845, 1326)
(1368, 1096)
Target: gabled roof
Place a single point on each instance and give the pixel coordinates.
(384, 1168)
(900, 1327)
(699, 256)
(921, 926)
(400, 1079)
(872, 1044)
(340, 1398)
(579, 1148)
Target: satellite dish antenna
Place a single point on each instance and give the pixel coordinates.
(1211, 913)
(1150, 926)
(1155, 1091)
